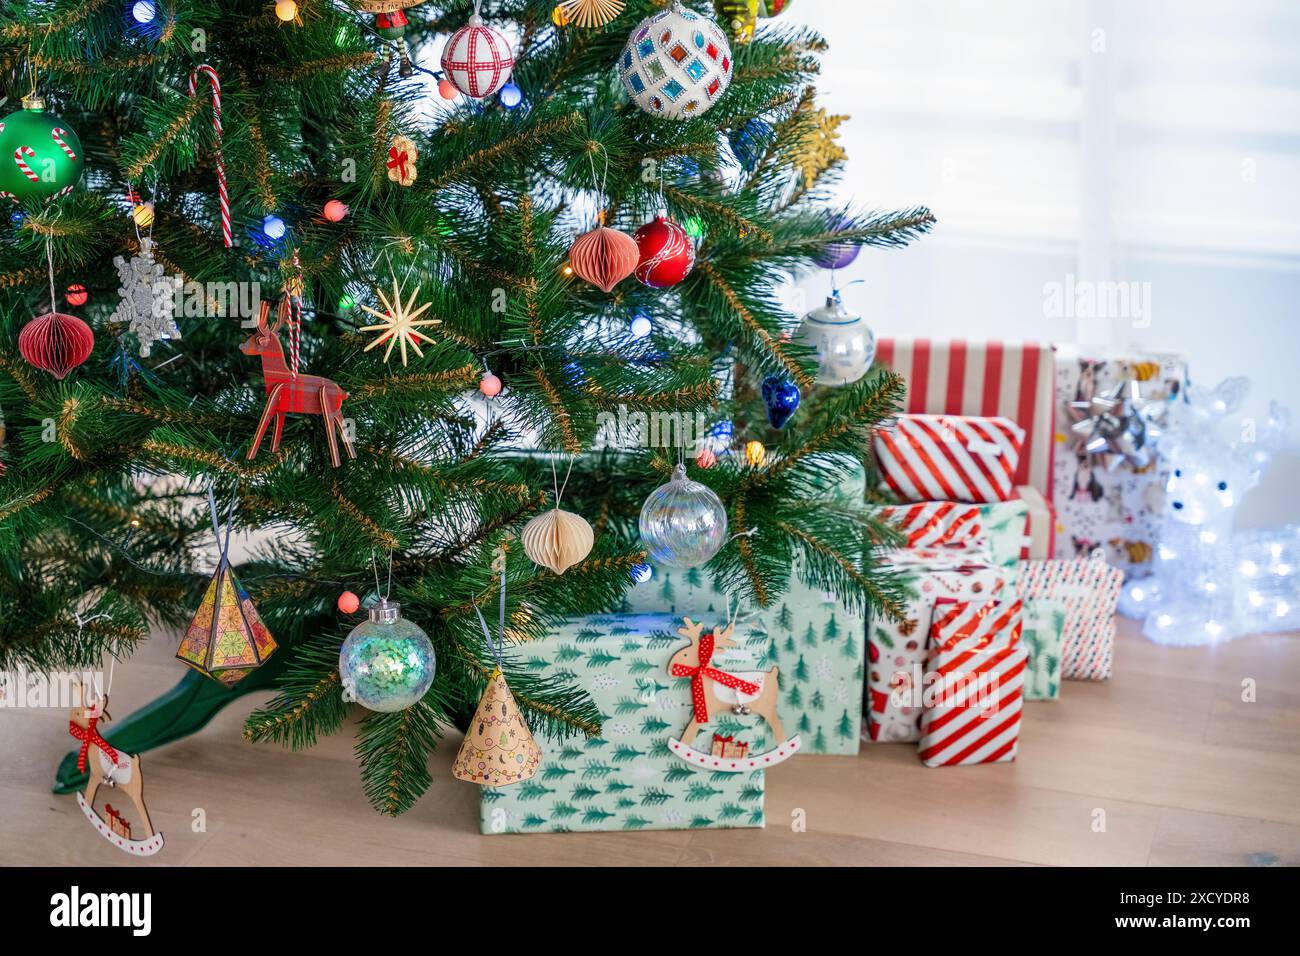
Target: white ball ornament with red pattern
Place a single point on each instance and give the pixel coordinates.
(677, 63)
(477, 59)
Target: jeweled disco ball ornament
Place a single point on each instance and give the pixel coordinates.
(387, 662)
(683, 523)
(845, 344)
(677, 64)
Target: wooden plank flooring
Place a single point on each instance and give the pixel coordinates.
(1182, 769)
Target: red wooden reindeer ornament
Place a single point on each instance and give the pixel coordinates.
(289, 392)
(713, 690)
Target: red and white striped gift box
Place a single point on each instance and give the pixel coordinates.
(950, 457)
(897, 650)
(976, 677)
(1089, 588)
(1014, 380)
(937, 524)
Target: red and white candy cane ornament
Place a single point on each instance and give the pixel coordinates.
(224, 195)
(20, 158)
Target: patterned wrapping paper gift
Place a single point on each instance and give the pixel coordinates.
(1013, 380)
(1117, 509)
(978, 669)
(817, 643)
(627, 779)
(1044, 639)
(898, 651)
(949, 457)
(1089, 590)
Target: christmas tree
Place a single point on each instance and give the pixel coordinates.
(285, 221)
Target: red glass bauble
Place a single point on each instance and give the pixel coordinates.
(667, 255)
(604, 257)
(56, 343)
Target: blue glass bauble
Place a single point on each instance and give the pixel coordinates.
(781, 396)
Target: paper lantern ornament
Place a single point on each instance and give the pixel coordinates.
(40, 156)
(604, 257)
(557, 540)
(226, 639)
(477, 59)
(499, 749)
(56, 343)
(677, 64)
(667, 253)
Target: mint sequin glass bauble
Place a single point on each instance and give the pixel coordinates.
(386, 663)
(40, 155)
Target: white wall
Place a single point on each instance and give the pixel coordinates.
(1187, 177)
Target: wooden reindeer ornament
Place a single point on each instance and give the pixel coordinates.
(714, 690)
(287, 391)
(119, 771)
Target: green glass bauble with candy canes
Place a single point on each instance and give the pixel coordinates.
(40, 155)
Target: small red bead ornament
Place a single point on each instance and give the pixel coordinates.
(335, 210)
(349, 602)
(77, 294)
(490, 385)
(667, 254)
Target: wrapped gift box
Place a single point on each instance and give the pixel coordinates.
(1089, 590)
(898, 650)
(1118, 509)
(628, 779)
(1010, 379)
(976, 674)
(1044, 638)
(817, 643)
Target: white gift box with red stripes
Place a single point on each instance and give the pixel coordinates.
(974, 684)
(897, 650)
(1007, 379)
(950, 457)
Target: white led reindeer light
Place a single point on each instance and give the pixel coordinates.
(1196, 594)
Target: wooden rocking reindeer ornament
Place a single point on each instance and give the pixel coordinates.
(287, 391)
(118, 771)
(714, 690)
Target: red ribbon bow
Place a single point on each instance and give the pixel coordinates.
(698, 674)
(87, 736)
(397, 161)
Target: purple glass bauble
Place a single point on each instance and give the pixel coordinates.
(840, 254)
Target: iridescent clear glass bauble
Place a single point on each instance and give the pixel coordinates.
(683, 523)
(387, 662)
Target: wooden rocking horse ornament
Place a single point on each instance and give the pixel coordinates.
(287, 391)
(119, 771)
(714, 690)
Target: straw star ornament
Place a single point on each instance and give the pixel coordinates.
(399, 323)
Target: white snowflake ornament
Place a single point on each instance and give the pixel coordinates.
(148, 298)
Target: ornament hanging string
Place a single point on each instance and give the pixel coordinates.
(90, 736)
(555, 481)
(293, 290)
(223, 546)
(497, 647)
(375, 567)
(600, 182)
(222, 192)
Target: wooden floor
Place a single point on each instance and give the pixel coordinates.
(1183, 770)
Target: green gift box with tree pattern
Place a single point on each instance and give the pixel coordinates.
(642, 773)
(816, 643)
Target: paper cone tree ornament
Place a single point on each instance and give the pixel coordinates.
(226, 639)
(499, 749)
